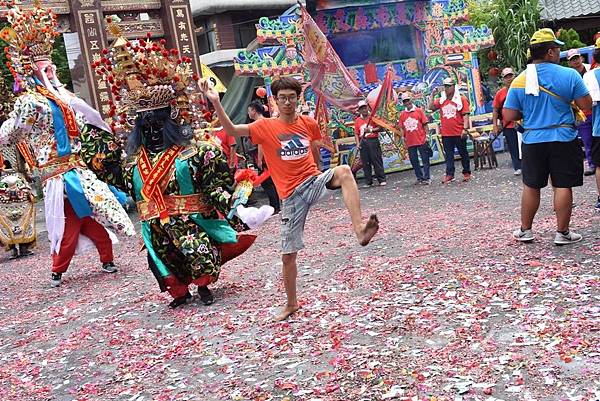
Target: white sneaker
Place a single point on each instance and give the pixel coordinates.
(568, 238)
(517, 172)
(56, 279)
(523, 236)
(109, 267)
(383, 183)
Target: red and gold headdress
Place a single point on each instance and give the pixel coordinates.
(30, 37)
(144, 75)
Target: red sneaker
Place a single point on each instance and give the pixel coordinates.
(447, 179)
(466, 177)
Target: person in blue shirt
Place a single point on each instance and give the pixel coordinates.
(541, 96)
(592, 81)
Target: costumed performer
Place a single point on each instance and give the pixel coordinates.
(181, 190)
(71, 146)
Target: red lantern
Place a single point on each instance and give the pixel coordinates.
(492, 55)
(261, 92)
(494, 72)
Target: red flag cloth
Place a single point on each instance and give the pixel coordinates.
(232, 251)
(323, 122)
(384, 111)
(370, 73)
(328, 76)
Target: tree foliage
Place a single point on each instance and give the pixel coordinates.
(512, 22)
(571, 39)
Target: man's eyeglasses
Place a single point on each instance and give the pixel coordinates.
(286, 99)
(406, 101)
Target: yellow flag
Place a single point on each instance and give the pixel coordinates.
(207, 73)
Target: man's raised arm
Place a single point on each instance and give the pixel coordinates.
(230, 128)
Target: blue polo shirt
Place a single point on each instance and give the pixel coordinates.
(543, 114)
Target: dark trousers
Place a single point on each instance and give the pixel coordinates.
(371, 157)
(413, 155)
(584, 130)
(512, 140)
(456, 142)
(269, 187)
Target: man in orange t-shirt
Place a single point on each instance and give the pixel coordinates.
(290, 145)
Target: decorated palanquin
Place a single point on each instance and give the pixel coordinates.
(423, 42)
(182, 190)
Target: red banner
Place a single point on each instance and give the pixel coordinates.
(384, 111)
(328, 76)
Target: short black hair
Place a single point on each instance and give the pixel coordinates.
(596, 55)
(257, 106)
(286, 83)
(539, 50)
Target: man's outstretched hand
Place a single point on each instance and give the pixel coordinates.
(208, 90)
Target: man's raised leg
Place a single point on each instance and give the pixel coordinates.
(343, 178)
(290, 273)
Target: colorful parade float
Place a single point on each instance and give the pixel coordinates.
(416, 43)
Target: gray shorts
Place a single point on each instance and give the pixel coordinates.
(294, 210)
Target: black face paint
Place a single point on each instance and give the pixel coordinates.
(152, 132)
(156, 131)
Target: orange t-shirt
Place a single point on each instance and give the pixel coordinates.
(287, 150)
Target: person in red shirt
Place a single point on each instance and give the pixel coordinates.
(508, 129)
(413, 126)
(454, 126)
(290, 145)
(367, 141)
(229, 145)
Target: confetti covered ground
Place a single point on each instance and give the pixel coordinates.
(443, 305)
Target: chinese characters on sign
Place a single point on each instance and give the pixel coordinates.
(184, 33)
(93, 40)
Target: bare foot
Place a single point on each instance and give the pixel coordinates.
(287, 312)
(370, 229)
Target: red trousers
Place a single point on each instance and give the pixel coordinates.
(73, 227)
(178, 289)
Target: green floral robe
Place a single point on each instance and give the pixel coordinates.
(182, 247)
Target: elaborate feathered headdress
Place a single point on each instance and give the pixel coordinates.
(144, 75)
(30, 37)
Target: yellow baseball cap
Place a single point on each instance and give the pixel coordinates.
(543, 36)
(597, 46)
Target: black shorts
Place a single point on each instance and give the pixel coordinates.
(596, 151)
(562, 161)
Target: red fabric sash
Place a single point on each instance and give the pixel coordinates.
(68, 114)
(26, 153)
(152, 177)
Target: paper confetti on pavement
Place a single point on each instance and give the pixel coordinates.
(443, 305)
